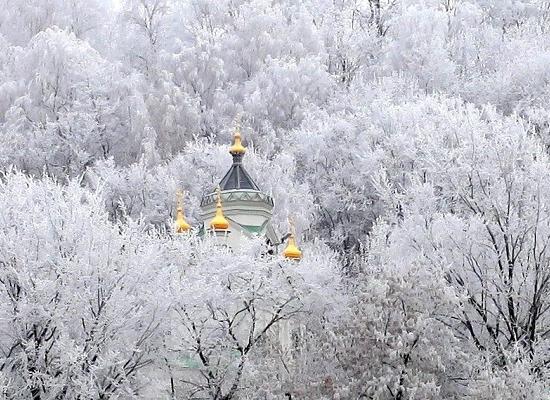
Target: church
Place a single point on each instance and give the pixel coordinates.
(238, 209)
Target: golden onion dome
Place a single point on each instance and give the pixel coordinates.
(219, 223)
(292, 251)
(237, 147)
(181, 224)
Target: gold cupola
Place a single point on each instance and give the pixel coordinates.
(219, 223)
(181, 224)
(291, 251)
(237, 147)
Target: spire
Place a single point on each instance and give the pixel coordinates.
(181, 224)
(219, 223)
(292, 252)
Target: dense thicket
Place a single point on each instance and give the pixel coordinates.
(407, 138)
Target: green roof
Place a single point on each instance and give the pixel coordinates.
(253, 228)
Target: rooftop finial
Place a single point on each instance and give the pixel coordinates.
(181, 224)
(218, 196)
(292, 251)
(237, 147)
(219, 223)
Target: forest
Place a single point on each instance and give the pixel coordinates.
(408, 140)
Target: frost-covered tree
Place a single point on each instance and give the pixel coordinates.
(475, 208)
(235, 317)
(395, 343)
(22, 20)
(71, 108)
(81, 301)
(408, 136)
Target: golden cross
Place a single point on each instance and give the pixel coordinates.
(292, 227)
(219, 195)
(238, 119)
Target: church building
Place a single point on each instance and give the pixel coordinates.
(238, 208)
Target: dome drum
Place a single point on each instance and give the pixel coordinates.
(238, 196)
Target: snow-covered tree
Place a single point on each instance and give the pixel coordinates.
(409, 137)
(72, 108)
(81, 301)
(235, 316)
